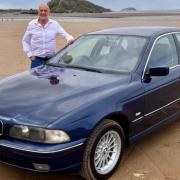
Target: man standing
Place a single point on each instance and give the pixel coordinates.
(39, 41)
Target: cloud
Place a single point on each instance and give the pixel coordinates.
(10, 4)
(112, 4)
(139, 4)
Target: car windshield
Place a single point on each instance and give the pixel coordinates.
(101, 52)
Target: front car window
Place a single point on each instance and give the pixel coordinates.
(164, 53)
(178, 37)
(106, 52)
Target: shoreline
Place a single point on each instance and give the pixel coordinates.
(111, 15)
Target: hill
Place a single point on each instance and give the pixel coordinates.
(70, 6)
(129, 9)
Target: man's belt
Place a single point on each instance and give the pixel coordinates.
(43, 58)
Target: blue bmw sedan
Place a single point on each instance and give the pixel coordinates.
(79, 111)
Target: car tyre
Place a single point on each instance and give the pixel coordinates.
(103, 151)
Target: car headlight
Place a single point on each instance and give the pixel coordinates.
(38, 134)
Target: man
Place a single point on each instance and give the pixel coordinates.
(39, 41)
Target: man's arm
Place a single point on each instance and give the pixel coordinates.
(64, 34)
(26, 42)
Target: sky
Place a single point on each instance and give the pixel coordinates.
(115, 5)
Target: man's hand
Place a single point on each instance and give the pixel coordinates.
(32, 58)
(70, 41)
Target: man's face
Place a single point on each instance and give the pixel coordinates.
(43, 12)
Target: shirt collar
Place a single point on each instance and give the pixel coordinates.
(49, 21)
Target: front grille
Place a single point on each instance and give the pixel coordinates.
(1, 127)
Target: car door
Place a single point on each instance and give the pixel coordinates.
(162, 93)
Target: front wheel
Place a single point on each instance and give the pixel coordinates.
(103, 151)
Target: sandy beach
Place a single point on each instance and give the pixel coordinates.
(157, 157)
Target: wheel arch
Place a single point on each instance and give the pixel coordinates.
(121, 119)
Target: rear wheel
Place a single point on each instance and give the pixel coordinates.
(103, 151)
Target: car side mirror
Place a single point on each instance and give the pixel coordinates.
(159, 71)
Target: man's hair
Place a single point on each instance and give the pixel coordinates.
(43, 4)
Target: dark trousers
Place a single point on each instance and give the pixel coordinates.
(38, 61)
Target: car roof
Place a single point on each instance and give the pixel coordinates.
(138, 31)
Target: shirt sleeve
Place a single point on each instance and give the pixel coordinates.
(26, 42)
(63, 33)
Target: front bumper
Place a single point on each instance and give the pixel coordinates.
(62, 157)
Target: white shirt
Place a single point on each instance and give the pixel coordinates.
(41, 41)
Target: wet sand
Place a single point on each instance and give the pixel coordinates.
(157, 157)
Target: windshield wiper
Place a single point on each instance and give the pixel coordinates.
(76, 67)
(85, 68)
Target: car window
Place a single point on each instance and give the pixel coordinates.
(85, 49)
(178, 38)
(103, 52)
(164, 53)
